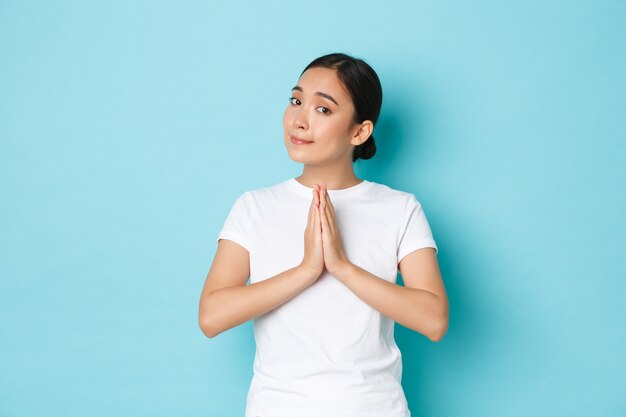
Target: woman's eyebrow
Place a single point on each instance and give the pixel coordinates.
(318, 93)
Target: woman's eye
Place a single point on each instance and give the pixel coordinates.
(295, 101)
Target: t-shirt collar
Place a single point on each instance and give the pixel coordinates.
(305, 191)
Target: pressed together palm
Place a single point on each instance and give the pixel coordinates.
(322, 241)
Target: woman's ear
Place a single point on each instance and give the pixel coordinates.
(362, 132)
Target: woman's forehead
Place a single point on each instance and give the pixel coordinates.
(323, 80)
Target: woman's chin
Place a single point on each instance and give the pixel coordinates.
(298, 157)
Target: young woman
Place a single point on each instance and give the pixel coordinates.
(324, 306)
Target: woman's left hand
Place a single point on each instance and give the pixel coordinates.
(334, 257)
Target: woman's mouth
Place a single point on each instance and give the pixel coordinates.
(297, 141)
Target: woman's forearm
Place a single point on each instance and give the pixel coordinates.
(417, 309)
(231, 306)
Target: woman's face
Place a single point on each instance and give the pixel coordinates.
(321, 112)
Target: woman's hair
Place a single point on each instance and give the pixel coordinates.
(364, 88)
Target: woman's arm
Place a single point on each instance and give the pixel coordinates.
(227, 301)
(421, 305)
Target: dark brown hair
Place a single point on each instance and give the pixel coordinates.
(363, 85)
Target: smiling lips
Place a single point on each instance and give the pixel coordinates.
(297, 141)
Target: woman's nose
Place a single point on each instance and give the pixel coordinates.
(300, 119)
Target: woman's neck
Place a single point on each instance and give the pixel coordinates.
(333, 180)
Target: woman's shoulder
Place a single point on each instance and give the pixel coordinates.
(386, 189)
(263, 191)
(386, 192)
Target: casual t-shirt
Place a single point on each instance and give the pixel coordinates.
(325, 352)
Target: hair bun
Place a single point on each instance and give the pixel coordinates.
(366, 150)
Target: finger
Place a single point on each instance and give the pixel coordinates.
(317, 195)
(331, 209)
(319, 226)
(329, 222)
(316, 219)
(323, 215)
(311, 209)
(323, 220)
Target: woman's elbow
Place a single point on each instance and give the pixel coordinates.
(205, 322)
(440, 327)
(439, 332)
(206, 329)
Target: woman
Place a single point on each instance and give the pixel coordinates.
(324, 306)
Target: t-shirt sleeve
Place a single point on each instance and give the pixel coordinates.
(236, 227)
(415, 231)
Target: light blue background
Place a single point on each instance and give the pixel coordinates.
(128, 128)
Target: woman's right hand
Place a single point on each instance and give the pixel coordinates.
(313, 260)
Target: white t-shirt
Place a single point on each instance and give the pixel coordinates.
(325, 352)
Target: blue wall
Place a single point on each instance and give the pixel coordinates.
(128, 128)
